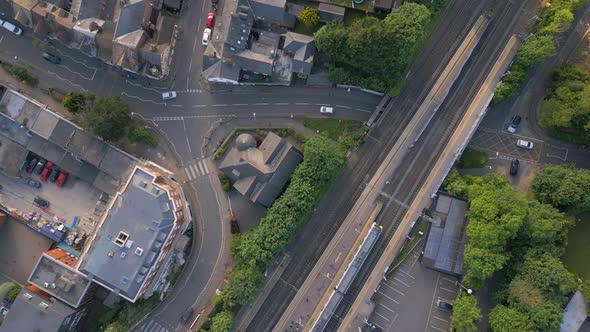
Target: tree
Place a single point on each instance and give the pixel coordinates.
(504, 319)
(5, 288)
(535, 50)
(74, 102)
(544, 227)
(563, 186)
(331, 39)
(465, 313)
(140, 134)
(524, 295)
(309, 16)
(222, 322)
(13, 293)
(550, 275)
(559, 22)
(547, 317)
(109, 118)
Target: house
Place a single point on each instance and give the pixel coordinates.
(53, 21)
(446, 239)
(302, 49)
(330, 13)
(23, 11)
(260, 173)
(135, 234)
(273, 11)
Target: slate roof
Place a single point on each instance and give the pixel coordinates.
(131, 17)
(302, 48)
(145, 213)
(256, 62)
(273, 11)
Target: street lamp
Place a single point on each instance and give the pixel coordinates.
(468, 290)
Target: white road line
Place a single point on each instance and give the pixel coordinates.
(394, 318)
(444, 320)
(436, 328)
(406, 273)
(301, 103)
(141, 86)
(150, 324)
(342, 106)
(201, 168)
(77, 73)
(195, 43)
(381, 305)
(70, 82)
(219, 105)
(1, 39)
(378, 314)
(197, 169)
(190, 65)
(281, 103)
(239, 104)
(176, 105)
(449, 280)
(261, 104)
(144, 100)
(385, 295)
(192, 171)
(448, 290)
(432, 303)
(362, 110)
(199, 105)
(322, 104)
(403, 283)
(188, 144)
(395, 289)
(205, 166)
(188, 174)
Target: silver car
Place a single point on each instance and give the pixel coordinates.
(168, 95)
(11, 27)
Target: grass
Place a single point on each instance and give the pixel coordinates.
(397, 88)
(352, 15)
(333, 128)
(578, 250)
(472, 159)
(421, 226)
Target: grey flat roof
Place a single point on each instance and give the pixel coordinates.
(144, 212)
(575, 313)
(12, 155)
(64, 283)
(30, 314)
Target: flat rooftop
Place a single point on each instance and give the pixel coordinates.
(59, 280)
(131, 236)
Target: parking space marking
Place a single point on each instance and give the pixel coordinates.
(401, 282)
(395, 290)
(449, 280)
(381, 305)
(432, 302)
(444, 320)
(387, 319)
(394, 318)
(388, 297)
(436, 328)
(409, 275)
(447, 290)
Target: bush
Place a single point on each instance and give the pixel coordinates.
(309, 16)
(109, 118)
(222, 322)
(224, 181)
(472, 159)
(13, 293)
(74, 102)
(22, 75)
(140, 134)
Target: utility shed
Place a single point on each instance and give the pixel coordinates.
(330, 13)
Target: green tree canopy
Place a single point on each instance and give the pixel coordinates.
(563, 186)
(544, 227)
(74, 102)
(465, 313)
(222, 322)
(140, 134)
(504, 319)
(535, 50)
(109, 118)
(309, 16)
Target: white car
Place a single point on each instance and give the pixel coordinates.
(168, 95)
(206, 36)
(11, 27)
(524, 144)
(327, 110)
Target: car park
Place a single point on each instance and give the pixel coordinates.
(444, 305)
(206, 36)
(514, 165)
(168, 95)
(514, 124)
(45, 174)
(61, 179)
(11, 27)
(210, 19)
(51, 58)
(327, 110)
(32, 183)
(524, 144)
(53, 176)
(41, 202)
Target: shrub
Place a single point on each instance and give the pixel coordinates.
(74, 102)
(224, 181)
(472, 159)
(140, 134)
(13, 293)
(310, 17)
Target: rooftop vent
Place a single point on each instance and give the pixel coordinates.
(138, 251)
(46, 284)
(123, 254)
(28, 296)
(155, 191)
(129, 244)
(111, 253)
(121, 238)
(143, 184)
(124, 280)
(53, 285)
(43, 305)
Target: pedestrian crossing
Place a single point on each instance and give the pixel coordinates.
(196, 170)
(167, 118)
(192, 91)
(152, 326)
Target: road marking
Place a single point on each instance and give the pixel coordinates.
(188, 143)
(219, 105)
(70, 82)
(362, 110)
(301, 103)
(201, 168)
(449, 280)
(176, 105)
(194, 170)
(395, 289)
(281, 103)
(381, 305)
(190, 65)
(342, 106)
(261, 104)
(239, 104)
(403, 283)
(144, 100)
(141, 86)
(444, 320)
(409, 275)
(149, 324)
(378, 314)
(77, 73)
(1, 39)
(188, 174)
(432, 302)
(385, 295)
(199, 105)
(436, 328)
(447, 290)
(394, 318)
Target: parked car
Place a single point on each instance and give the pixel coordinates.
(53, 176)
(40, 166)
(214, 1)
(61, 179)
(210, 19)
(31, 165)
(187, 314)
(234, 226)
(206, 36)
(11, 27)
(51, 58)
(327, 110)
(168, 95)
(514, 123)
(32, 183)
(45, 174)
(524, 144)
(444, 305)
(41, 202)
(514, 166)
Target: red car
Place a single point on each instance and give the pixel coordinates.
(61, 179)
(210, 19)
(45, 174)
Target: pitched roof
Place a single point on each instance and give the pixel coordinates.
(256, 62)
(272, 10)
(131, 17)
(302, 48)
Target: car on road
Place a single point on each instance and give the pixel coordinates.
(61, 179)
(41, 202)
(210, 19)
(51, 58)
(524, 144)
(206, 36)
(514, 123)
(514, 164)
(187, 314)
(11, 27)
(32, 183)
(444, 305)
(53, 176)
(168, 95)
(327, 110)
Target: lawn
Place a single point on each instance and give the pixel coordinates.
(578, 250)
(333, 128)
(472, 159)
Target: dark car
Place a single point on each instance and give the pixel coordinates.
(187, 314)
(444, 305)
(41, 202)
(51, 58)
(31, 165)
(514, 123)
(514, 166)
(53, 176)
(40, 166)
(32, 183)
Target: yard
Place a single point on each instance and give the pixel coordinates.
(333, 128)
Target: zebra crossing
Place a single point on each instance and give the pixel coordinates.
(167, 118)
(196, 170)
(152, 326)
(192, 91)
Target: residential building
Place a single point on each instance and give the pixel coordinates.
(273, 11)
(260, 173)
(53, 21)
(23, 11)
(135, 235)
(302, 50)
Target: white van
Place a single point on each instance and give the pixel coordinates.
(11, 27)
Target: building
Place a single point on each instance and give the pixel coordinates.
(575, 316)
(53, 21)
(135, 235)
(272, 11)
(446, 239)
(23, 11)
(301, 48)
(330, 13)
(260, 173)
